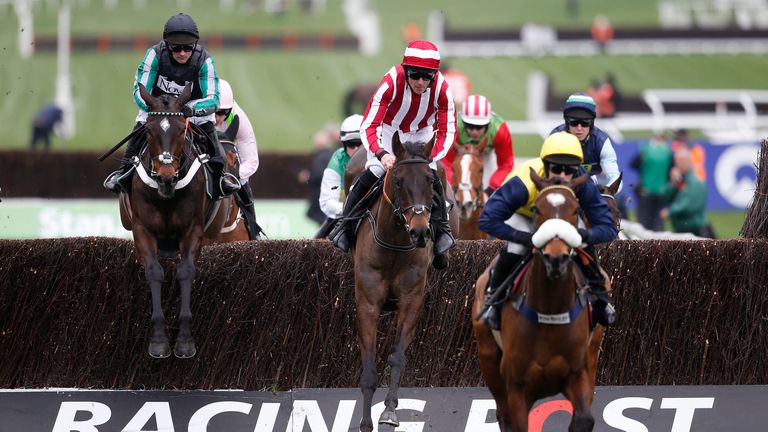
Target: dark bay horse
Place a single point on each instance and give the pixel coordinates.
(533, 358)
(468, 188)
(356, 165)
(170, 213)
(392, 255)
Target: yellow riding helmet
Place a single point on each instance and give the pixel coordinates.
(562, 148)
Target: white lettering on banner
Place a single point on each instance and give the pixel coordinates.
(478, 412)
(55, 222)
(613, 414)
(65, 419)
(684, 409)
(683, 418)
(309, 411)
(736, 192)
(199, 420)
(403, 404)
(160, 410)
(267, 417)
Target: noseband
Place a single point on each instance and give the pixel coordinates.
(398, 210)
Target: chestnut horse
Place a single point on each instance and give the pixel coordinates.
(468, 188)
(234, 228)
(392, 255)
(169, 212)
(545, 345)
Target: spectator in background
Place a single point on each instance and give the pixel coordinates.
(698, 154)
(606, 96)
(602, 31)
(686, 197)
(459, 83)
(324, 141)
(43, 124)
(653, 162)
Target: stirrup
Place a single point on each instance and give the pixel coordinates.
(226, 187)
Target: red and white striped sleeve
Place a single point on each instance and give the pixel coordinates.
(445, 120)
(375, 112)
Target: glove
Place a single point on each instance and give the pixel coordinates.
(524, 238)
(188, 111)
(585, 237)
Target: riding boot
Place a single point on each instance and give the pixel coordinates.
(505, 266)
(343, 235)
(602, 304)
(443, 239)
(245, 202)
(226, 182)
(119, 181)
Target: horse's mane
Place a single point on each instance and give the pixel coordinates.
(167, 102)
(415, 149)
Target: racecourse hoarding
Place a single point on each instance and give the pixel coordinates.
(631, 409)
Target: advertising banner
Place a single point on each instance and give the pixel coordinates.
(631, 409)
(34, 218)
(731, 173)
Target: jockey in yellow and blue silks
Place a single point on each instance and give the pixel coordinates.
(508, 216)
(167, 67)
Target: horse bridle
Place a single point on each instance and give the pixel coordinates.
(478, 202)
(398, 210)
(613, 198)
(166, 158)
(579, 210)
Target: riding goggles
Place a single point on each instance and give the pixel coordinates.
(180, 47)
(573, 122)
(567, 169)
(473, 126)
(424, 74)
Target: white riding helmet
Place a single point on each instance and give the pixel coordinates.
(226, 98)
(476, 110)
(350, 128)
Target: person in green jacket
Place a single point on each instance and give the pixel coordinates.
(686, 198)
(653, 162)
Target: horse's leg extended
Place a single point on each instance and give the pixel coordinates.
(408, 313)
(146, 246)
(185, 275)
(367, 319)
(489, 357)
(579, 391)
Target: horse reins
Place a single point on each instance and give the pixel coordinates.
(397, 210)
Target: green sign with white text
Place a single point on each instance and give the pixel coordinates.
(34, 218)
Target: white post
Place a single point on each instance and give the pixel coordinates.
(63, 81)
(26, 32)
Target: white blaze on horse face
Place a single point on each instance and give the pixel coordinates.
(466, 179)
(556, 199)
(559, 228)
(165, 124)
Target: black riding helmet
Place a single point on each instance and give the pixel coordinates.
(181, 29)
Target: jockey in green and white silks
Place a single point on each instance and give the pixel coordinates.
(166, 68)
(332, 185)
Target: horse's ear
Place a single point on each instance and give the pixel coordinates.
(428, 149)
(540, 182)
(614, 187)
(185, 96)
(145, 96)
(397, 146)
(481, 146)
(579, 181)
(231, 131)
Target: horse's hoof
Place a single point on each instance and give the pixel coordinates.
(390, 418)
(184, 349)
(366, 426)
(159, 350)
